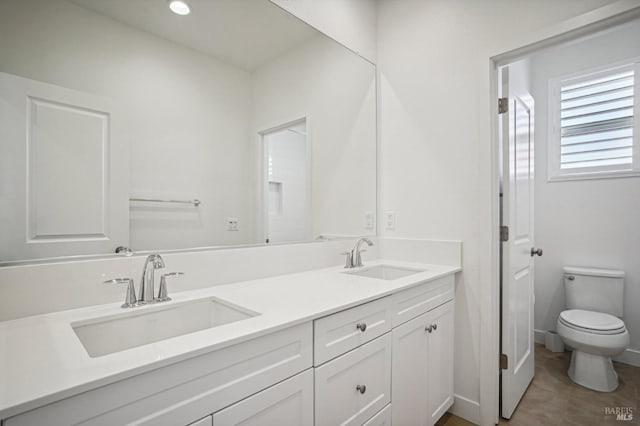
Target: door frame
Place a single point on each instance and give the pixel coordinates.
(263, 181)
(514, 49)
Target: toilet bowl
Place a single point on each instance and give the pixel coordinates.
(591, 325)
(595, 338)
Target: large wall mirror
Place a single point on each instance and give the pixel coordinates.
(125, 124)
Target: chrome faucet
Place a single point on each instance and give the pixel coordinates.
(354, 257)
(147, 284)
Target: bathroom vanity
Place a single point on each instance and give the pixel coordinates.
(372, 345)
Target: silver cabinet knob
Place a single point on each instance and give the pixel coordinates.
(362, 326)
(429, 328)
(361, 388)
(536, 251)
(435, 327)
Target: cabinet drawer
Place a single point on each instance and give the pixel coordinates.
(338, 398)
(185, 391)
(287, 403)
(343, 331)
(415, 301)
(383, 418)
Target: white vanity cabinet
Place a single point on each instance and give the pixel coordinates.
(389, 361)
(386, 361)
(422, 371)
(183, 392)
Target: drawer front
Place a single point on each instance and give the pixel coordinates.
(339, 333)
(415, 301)
(340, 396)
(287, 403)
(185, 391)
(383, 418)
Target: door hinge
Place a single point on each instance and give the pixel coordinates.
(504, 233)
(503, 105)
(504, 361)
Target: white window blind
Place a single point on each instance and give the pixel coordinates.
(597, 120)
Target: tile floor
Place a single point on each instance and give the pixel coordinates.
(553, 399)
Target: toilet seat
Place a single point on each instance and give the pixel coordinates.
(592, 322)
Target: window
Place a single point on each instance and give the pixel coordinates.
(593, 130)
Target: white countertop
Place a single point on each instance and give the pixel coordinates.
(42, 360)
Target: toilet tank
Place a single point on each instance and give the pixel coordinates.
(593, 289)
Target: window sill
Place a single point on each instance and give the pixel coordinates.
(586, 175)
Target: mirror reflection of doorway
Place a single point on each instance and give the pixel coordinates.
(286, 183)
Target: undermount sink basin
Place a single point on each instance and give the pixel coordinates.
(386, 272)
(118, 332)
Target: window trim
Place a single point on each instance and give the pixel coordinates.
(554, 172)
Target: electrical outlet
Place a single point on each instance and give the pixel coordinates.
(232, 224)
(390, 220)
(368, 220)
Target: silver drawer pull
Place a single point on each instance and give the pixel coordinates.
(362, 326)
(361, 388)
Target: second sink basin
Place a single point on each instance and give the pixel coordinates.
(386, 272)
(151, 324)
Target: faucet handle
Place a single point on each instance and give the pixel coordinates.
(348, 261)
(130, 300)
(163, 293)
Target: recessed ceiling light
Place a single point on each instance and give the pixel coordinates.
(179, 7)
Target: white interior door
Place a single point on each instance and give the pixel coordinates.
(517, 215)
(64, 171)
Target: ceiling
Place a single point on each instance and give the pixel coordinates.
(244, 33)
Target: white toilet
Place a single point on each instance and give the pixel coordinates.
(591, 325)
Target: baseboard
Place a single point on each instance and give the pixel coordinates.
(466, 408)
(629, 356)
(538, 336)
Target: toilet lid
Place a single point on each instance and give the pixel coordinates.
(596, 321)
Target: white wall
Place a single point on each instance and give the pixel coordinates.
(350, 22)
(335, 91)
(435, 146)
(588, 222)
(180, 104)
